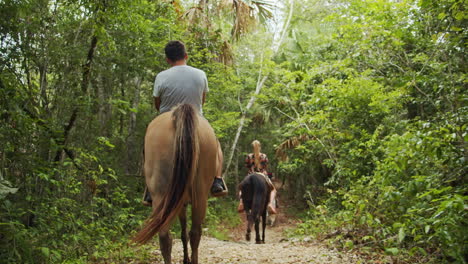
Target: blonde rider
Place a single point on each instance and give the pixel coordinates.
(257, 162)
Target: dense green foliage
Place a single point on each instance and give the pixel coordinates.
(377, 93)
(75, 91)
(363, 106)
(68, 120)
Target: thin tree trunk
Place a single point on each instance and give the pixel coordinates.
(84, 89)
(121, 115)
(237, 169)
(260, 83)
(242, 121)
(132, 146)
(135, 103)
(66, 132)
(43, 85)
(87, 66)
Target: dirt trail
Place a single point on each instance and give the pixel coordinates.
(277, 249)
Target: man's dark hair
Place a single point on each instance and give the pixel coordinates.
(175, 50)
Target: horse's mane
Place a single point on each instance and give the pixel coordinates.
(186, 152)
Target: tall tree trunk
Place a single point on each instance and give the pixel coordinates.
(260, 83)
(242, 121)
(86, 76)
(132, 146)
(122, 92)
(100, 102)
(43, 85)
(236, 175)
(84, 89)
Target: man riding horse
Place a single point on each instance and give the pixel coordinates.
(257, 162)
(182, 84)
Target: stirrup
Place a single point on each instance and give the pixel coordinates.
(223, 186)
(220, 194)
(147, 201)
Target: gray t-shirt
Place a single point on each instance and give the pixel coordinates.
(180, 84)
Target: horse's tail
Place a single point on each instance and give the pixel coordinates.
(256, 185)
(260, 198)
(186, 151)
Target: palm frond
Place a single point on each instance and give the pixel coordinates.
(226, 56)
(263, 9)
(248, 12)
(193, 14)
(291, 143)
(243, 18)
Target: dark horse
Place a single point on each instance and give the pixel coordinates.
(255, 196)
(182, 157)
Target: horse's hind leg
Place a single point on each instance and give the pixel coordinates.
(257, 231)
(165, 243)
(198, 214)
(183, 236)
(249, 224)
(264, 223)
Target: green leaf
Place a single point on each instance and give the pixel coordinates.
(427, 228)
(459, 15)
(6, 189)
(45, 251)
(401, 234)
(56, 254)
(392, 251)
(349, 244)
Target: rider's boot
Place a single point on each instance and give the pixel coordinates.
(147, 201)
(218, 188)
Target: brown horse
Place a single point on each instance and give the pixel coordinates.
(255, 197)
(182, 157)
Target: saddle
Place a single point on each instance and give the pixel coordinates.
(268, 180)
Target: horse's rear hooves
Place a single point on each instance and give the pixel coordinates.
(260, 242)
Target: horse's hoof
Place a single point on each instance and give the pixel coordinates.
(259, 242)
(247, 237)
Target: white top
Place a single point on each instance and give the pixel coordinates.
(180, 84)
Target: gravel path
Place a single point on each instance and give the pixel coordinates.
(277, 249)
